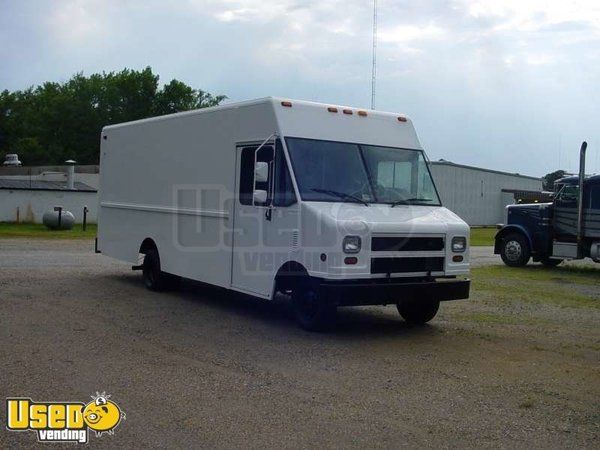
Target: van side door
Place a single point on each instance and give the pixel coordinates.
(265, 228)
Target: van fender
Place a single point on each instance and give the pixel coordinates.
(148, 244)
(288, 275)
(510, 229)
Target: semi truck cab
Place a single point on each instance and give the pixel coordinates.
(565, 229)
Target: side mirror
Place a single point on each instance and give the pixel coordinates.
(259, 197)
(261, 172)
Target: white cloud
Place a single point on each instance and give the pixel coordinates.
(75, 20)
(402, 34)
(532, 15)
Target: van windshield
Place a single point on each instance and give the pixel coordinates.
(339, 171)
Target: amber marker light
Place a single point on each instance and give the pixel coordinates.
(286, 104)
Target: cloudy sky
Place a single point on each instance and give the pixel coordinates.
(508, 84)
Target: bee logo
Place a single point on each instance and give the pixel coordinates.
(102, 415)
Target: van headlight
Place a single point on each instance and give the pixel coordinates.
(351, 244)
(459, 244)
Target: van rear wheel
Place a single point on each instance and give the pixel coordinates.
(312, 312)
(154, 278)
(418, 312)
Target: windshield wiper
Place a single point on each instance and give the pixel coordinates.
(341, 195)
(408, 201)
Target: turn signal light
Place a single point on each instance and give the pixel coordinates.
(288, 104)
(351, 260)
(332, 109)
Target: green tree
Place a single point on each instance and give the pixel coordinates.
(177, 96)
(550, 178)
(57, 121)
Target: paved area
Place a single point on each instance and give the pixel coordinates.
(204, 368)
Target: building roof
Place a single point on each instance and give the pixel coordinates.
(40, 185)
(443, 162)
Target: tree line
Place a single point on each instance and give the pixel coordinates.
(53, 122)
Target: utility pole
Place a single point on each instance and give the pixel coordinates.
(374, 67)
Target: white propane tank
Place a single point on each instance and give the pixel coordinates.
(50, 219)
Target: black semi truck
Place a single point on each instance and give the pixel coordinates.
(567, 228)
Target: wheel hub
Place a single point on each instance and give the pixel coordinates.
(513, 250)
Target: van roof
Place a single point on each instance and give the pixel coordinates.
(272, 100)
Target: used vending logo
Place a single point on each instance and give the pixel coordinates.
(64, 421)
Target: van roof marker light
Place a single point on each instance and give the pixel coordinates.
(286, 104)
(401, 119)
(332, 109)
(362, 113)
(347, 111)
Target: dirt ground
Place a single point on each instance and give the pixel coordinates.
(204, 368)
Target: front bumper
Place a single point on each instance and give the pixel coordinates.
(385, 291)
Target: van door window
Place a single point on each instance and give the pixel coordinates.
(249, 157)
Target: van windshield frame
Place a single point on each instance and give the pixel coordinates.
(375, 174)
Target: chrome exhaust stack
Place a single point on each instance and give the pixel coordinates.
(580, 205)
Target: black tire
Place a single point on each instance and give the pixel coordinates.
(154, 278)
(514, 250)
(312, 312)
(549, 262)
(418, 312)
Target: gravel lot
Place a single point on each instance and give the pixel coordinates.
(204, 368)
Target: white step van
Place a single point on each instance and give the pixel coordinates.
(332, 205)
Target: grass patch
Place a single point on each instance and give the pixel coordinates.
(491, 318)
(483, 236)
(36, 230)
(527, 403)
(494, 318)
(537, 285)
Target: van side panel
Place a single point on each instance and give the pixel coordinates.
(172, 180)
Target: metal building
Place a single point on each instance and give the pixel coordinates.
(479, 196)
(26, 193)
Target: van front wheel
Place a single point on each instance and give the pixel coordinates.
(418, 312)
(312, 312)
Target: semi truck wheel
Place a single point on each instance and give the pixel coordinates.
(515, 251)
(312, 312)
(154, 278)
(418, 312)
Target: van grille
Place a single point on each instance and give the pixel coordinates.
(406, 244)
(405, 265)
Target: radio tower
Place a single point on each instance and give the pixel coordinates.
(374, 67)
